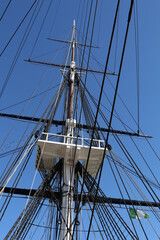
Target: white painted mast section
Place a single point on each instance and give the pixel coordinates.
(68, 167)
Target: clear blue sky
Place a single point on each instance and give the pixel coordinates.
(27, 79)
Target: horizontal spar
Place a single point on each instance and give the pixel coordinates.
(62, 123)
(68, 67)
(85, 197)
(69, 42)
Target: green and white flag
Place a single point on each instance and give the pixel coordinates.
(134, 214)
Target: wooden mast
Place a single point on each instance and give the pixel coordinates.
(72, 76)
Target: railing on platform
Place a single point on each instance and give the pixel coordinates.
(75, 140)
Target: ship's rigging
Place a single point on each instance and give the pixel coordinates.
(70, 159)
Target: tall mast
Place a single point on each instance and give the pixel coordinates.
(68, 166)
(71, 149)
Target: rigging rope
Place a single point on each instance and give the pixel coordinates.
(25, 153)
(40, 29)
(5, 10)
(28, 99)
(17, 27)
(19, 50)
(92, 188)
(107, 123)
(137, 57)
